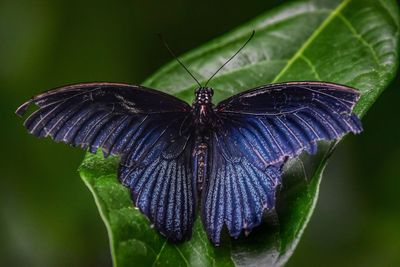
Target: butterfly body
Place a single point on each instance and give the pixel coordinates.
(201, 163)
(224, 160)
(204, 120)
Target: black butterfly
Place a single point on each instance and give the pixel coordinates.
(226, 159)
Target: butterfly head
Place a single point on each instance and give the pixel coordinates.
(203, 95)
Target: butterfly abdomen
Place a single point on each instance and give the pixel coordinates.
(201, 162)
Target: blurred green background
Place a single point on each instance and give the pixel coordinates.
(47, 215)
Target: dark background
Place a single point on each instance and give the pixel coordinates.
(48, 216)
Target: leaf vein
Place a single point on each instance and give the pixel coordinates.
(159, 253)
(359, 37)
(104, 214)
(183, 256)
(312, 67)
(392, 16)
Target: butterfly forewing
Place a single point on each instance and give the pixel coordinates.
(282, 120)
(98, 114)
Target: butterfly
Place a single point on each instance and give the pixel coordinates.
(224, 160)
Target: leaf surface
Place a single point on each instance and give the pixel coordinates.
(352, 42)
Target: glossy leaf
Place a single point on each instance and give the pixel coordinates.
(352, 42)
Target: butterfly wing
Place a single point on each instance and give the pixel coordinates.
(158, 172)
(290, 117)
(255, 132)
(150, 130)
(237, 192)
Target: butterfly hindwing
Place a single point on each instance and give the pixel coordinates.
(158, 172)
(288, 118)
(238, 192)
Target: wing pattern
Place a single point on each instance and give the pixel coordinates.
(282, 120)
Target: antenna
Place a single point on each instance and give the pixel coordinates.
(177, 59)
(240, 49)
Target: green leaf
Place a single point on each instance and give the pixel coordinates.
(352, 42)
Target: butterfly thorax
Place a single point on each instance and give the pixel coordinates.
(203, 107)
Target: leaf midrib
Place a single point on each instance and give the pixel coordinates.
(312, 37)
